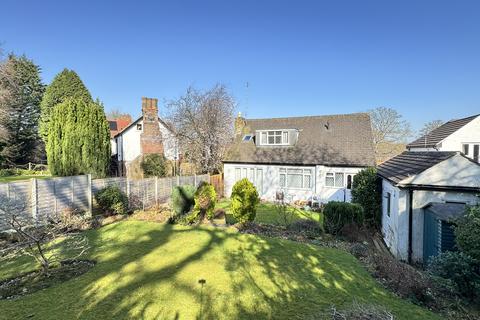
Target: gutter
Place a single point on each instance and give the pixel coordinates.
(410, 224)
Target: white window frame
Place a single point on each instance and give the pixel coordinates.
(251, 173)
(283, 134)
(284, 171)
(333, 175)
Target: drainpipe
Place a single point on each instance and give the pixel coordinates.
(410, 224)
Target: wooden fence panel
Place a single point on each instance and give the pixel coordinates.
(217, 182)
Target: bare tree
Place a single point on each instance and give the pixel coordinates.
(430, 126)
(115, 113)
(389, 131)
(33, 238)
(204, 125)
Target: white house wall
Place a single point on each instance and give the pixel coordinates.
(395, 226)
(470, 133)
(271, 182)
(129, 146)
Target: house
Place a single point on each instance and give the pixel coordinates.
(455, 135)
(147, 135)
(117, 125)
(422, 192)
(300, 157)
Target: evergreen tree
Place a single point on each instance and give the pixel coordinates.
(66, 84)
(78, 139)
(21, 91)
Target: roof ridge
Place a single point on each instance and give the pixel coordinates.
(311, 116)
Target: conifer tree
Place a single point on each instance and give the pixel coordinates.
(78, 139)
(66, 84)
(21, 91)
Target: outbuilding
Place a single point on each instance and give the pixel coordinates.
(422, 194)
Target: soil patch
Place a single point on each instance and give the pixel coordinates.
(31, 282)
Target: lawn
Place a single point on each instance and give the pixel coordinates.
(148, 270)
(266, 213)
(19, 178)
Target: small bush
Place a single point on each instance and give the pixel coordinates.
(309, 227)
(244, 201)
(366, 192)
(359, 250)
(402, 278)
(338, 214)
(153, 165)
(183, 199)
(205, 200)
(461, 270)
(467, 235)
(7, 172)
(112, 200)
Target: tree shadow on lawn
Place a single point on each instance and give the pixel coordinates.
(151, 271)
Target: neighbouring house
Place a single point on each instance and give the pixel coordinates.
(455, 135)
(147, 135)
(422, 192)
(300, 158)
(117, 125)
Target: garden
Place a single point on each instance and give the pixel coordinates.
(207, 258)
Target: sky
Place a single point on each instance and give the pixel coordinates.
(277, 58)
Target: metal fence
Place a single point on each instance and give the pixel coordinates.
(42, 198)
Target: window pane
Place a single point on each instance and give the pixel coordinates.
(307, 181)
(476, 152)
(259, 181)
(339, 180)
(251, 177)
(329, 180)
(244, 173)
(285, 137)
(264, 138)
(295, 180)
(278, 139)
(295, 171)
(465, 149)
(283, 170)
(278, 133)
(282, 180)
(238, 174)
(307, 171)
(271, 139)
(349, 181)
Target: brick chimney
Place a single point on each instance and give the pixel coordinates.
(151, 138)
(239, 124)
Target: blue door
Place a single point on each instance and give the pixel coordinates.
(430, 236)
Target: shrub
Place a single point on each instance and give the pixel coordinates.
(244, 201)
(112, 200)
(153, 165)
(205, 200)
(338, 214)
(467, 233)
(461, 270)
(309, 227)
(183, 199)
(366, 192)
(7, 172)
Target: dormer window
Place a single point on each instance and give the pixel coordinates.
(274, 137)
(247, 137)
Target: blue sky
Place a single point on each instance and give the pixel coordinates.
(299, 57)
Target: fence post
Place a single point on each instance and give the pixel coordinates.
(156, 191)
(178, 180)
(128, 191)
(195, 180)
(73, 192)
(34, 200)
(89, 195)
(55, 197)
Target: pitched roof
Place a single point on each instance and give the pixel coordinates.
(167, 125)
(431, 139)
(410, 163)
(347, 141)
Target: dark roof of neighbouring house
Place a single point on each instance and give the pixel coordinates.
(347, 141)
(433, 138)
(446, 211)
(410, 163)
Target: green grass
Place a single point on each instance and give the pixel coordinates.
(148, 270)
(19, 178)
(266, 213)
